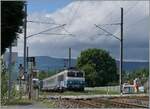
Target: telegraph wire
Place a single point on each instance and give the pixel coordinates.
(75, 13)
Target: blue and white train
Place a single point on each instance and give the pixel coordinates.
(69, 79)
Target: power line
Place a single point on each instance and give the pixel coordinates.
(68, 31)
(130, 9)
(54, 24)
(39, 22)
(46, 30)
(55, 34)
(134, 24)
(107, 31)
(75, 12)
(121, 48)
(110, 24)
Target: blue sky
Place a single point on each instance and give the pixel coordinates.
(46, 5)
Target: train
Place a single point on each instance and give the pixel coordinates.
(68, 79)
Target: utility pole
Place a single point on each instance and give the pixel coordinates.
(121, 47)
(25, 34)
(27, 58)
(9, 81)
(69, 57)
(30, 82)
(27, 76)
(121, 51)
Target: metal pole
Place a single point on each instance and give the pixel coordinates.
(30, 81)
(27, 86)
(69, 57)
(20, 87)
(31, 94)
(25, 27)
(9, 81)
(121, 51)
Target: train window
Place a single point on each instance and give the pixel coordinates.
(71, 74)
(79, 74)
(75, 74)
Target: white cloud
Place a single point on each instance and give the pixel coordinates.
(80, 17)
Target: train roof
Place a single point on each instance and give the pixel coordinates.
(60, 73)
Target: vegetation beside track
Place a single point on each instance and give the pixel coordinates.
(88, 91)
(19, 102)
(46, 103)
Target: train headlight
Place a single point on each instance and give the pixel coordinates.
(70, 82)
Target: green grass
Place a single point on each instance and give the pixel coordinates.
(88, 91)
(47, 103)
(19, 102)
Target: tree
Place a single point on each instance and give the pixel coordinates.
(142, 74)
(44, 74)
(99, 67)
(12, 15)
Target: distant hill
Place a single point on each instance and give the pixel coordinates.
(51, 63)
(133, 65)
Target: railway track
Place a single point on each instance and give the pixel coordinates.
(76, 104)
(144, 98)
(100, 103)
(115, 102)
(140, 101)
(121, 104)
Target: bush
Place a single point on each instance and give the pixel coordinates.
(4, 85)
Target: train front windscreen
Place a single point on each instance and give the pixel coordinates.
(75, 74)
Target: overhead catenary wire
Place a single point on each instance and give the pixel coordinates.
(107, 32)
(75, 13)
(45, 30)
(71, 19)
(54, 24)
(55, 34)
(138, 21)
(41, 22)
(109, 24)
(128, 11)
(30, 21)
(131, 8)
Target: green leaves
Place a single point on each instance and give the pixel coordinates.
(142, 74)
(99, 67)
(12, 15)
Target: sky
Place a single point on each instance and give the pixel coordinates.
(80, 32)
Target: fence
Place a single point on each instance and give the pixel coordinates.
(107, 89)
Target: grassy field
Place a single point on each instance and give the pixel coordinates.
(88, 91)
